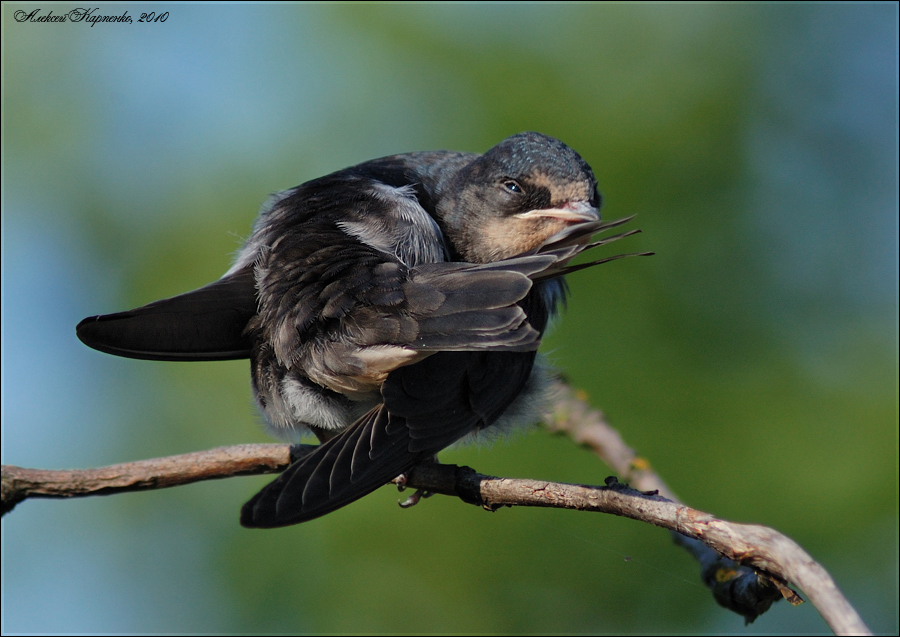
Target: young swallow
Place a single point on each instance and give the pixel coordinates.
(391, 308)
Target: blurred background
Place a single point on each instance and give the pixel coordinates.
(753, 360)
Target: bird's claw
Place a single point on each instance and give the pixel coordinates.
(414, 498)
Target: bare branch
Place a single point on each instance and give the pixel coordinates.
(776, 558)
(158, 473)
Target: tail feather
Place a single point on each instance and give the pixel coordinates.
(204, 325)
(342, 470)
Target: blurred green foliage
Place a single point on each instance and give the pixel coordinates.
(753, 360)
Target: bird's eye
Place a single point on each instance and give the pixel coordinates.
(512, 186)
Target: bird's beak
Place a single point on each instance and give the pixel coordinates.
(571, 212)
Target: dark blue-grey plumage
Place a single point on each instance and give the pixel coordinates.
(391, 308)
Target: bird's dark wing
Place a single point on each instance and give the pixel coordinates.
(433, 403)
(203, 325)
(347, 314)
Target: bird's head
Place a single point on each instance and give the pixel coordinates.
(515, 196)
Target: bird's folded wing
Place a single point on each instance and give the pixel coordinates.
(438, 400)
(203, 325)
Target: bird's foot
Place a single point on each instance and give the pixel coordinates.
(403, 479)
(414, 498)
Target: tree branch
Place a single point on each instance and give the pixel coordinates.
(757, 562)
(19, 483)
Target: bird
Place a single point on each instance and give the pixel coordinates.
(392, 309)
